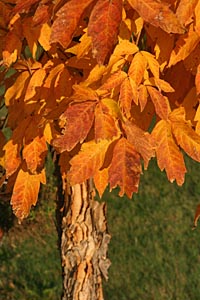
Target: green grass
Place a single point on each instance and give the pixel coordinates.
(155, 253)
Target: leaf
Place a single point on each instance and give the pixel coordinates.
(105, 125)
(81, 114)
(67, 20)
(196, 217)
(185, 10)
(164, 85)
(152, 63)
(18, 88)
(184, 46)
(141, 140)
(126, 97)
(125, 168)
(23, 5)
(142, 96)
(158, 14)
(34, 154)
(25, 192)
(137, 68)
(125, 47)
(160, 103)
(185, 136)
(101, 180)
(36, 81)
(12, 157)
(82, 93)
(197, 18)
(88, 161)
(103, 28)
(114, 80)
(197, 80)
(168, 154)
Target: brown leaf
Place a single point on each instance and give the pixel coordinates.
(24, 5)
(104, 27)
(169, 156)
(125, 168)
(88, 161)
(68, 17)
(158, 14)
(141, 140)
(79, 119)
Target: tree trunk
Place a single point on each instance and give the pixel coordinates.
(84, 244)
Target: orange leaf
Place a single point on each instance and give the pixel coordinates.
(126, 97)
(104, 27)
(197, 80)
(25, 192)
(197, 18)
(82, 93)
(141, 140)
(34, 154)
(184, 46)
(79, 119)
(160, 103)
(23, 5)
(114, 80)
(101, 180)
(152, 63)
(35, 82)
(105, 125)
(143, 96)
(88, 161)
(137, 68)
(185, 10)
(125, 168)
(196, 217)
(158, 14)
(12, 157)
(168, 154)
(68, 17)
(185, 136)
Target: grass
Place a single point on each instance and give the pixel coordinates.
(155, 253)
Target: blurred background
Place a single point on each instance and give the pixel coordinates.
(155, 254)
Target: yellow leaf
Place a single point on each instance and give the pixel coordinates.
(44, 37)
(35, 82)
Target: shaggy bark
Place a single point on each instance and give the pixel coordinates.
(84, 244)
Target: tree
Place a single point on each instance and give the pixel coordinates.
(106, 85)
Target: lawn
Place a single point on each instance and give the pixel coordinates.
(155, 253)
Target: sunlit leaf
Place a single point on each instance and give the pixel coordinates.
(169, 156)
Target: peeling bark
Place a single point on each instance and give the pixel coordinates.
(84, 244)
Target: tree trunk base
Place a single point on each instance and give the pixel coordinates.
(84, 244)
